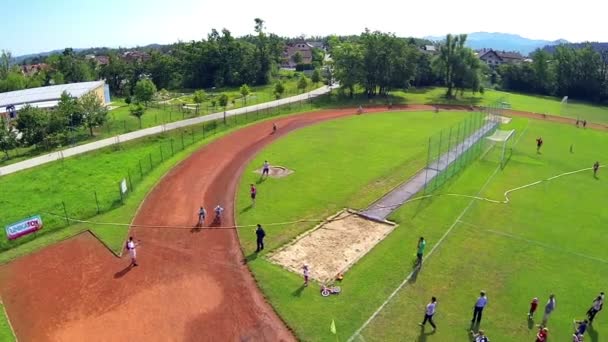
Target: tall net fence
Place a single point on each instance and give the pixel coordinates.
(452, 149)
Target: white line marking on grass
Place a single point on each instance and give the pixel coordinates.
(534, 242)
(406, 280)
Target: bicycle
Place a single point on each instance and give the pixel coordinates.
(326, 291)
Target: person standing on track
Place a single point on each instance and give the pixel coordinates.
(428, 314)
(265, 168)
(274, 128)
(478, 309)
(218, 213)
(420, 251)
(202, 213)
(131, 245)
(253, 192)
(260, 234)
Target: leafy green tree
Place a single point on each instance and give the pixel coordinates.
(5, 63)
(348, 63)
(223, 101)
(14, 81)
(315, 77)
(144, 91)
(94, 113)
(69, 107)
(115, 73)
(297, 57)
(32, 123)
(8, 137)
(137, 110)
(245, 91)
(450, 59)
(542, 74)
(279, 89)
(302, 83)
(199, 97)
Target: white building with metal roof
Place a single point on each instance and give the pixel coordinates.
(48, 97)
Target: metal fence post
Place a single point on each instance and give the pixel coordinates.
(428, 159)
(172, 153)
(67, 219)
(122, 200)
(150, 158)
(183, 141)
(438, 158)
(141, 170)
(130, 180)
(447, 169)
(96, 202)
(162, 159)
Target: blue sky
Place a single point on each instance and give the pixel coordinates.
(30, 26)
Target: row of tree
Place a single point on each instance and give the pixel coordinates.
(576, 72)
(379, 62)
(47, 128)
(219, 60)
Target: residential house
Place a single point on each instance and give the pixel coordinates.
(495, 58)
(32, 69)
(290, 50)
(136, 56)
(430, 49)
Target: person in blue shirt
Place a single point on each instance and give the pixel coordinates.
(260, 234)
(478, 309)
(580, 327)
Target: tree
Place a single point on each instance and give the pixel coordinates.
(316, 77)
(543, 77)
(69, 107)
(94, 113)
(245, 91)
(32, 124)
(144, 91)
(279, 89)
(8, 137)
(137, 110)
(223, 101)
(199, 97)
(302, 83)
(5, 63)
(14, 81)
(450, 58)
(348, 63)
(263, 52)
(297, 57)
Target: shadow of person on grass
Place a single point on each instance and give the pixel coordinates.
(592, 333)
(530, 323)
(415, 272)
(261, 180)
(247, 208)
(250, 257)
(122, 272)
(423, 334)
(298, 291)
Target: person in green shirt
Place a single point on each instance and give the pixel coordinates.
(420, 252)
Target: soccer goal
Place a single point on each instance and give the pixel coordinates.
(502, 142)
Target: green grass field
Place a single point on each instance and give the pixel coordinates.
(546, 240)
(6, 334)
(339, 163)
(77, 180)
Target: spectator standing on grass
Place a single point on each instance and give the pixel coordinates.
(480, 336)
(420, 250)
(549, 308)
(542, 334)
(253, 192)
(577, 337)
(539, 144)
(428, 314)
(584, 123)
(595, 308)
(478, 309)
(580, 327)
(533, 306)
(596, 167)
(305, 273)
(260, 234)
(265, 168)
(132, 252)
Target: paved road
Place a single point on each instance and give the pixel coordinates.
(69, 152)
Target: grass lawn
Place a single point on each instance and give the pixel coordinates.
(74, 181)
(546, 240)
(6, 334)
(347, 162)
(529, 103)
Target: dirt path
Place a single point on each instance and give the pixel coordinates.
(191, 285)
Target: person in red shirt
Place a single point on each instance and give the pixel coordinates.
(542, 335)
(533, 306)
(253, 191)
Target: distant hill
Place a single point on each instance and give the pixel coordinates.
(504, 41)
(597, 46)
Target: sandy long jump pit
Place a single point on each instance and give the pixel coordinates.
(333, 246)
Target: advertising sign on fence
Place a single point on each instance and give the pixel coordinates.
(123, 186)
(24, 227)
